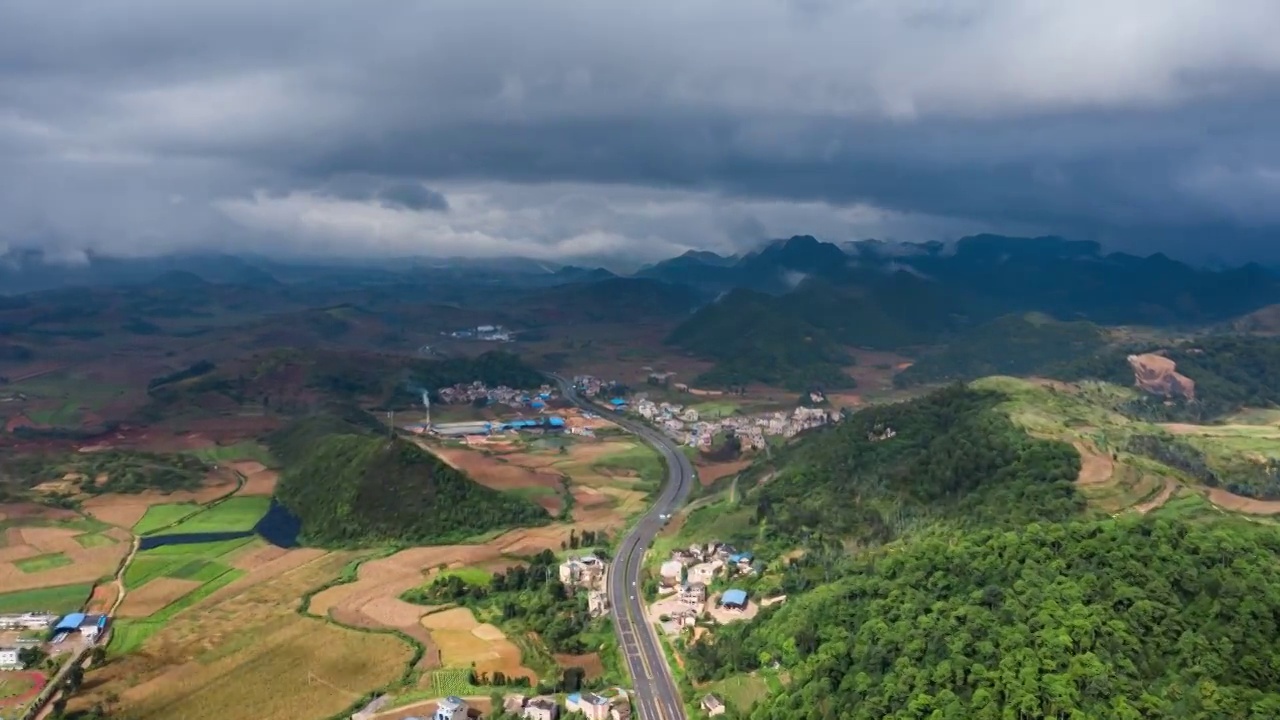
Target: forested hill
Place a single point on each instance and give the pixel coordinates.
(949, 455)
(1123, 620)
(351, 487)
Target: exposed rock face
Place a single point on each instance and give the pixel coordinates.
(1158, 375)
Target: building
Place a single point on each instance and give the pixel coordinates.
(694, 593)
(712, 705)
(27, 621)
(705, 572)
(734, 600)
(9, 659)
(593, 706)
(451, 708)
(586, 570)
(542, 708)
(671, 571)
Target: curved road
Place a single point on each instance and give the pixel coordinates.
(657, 695)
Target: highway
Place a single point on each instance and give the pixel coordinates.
(656, 692)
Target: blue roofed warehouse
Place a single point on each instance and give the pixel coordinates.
(734, 600)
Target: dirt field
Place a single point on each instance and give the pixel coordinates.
(34, 511)
(103, 599)
(153, 596)
(1236, 503)
(712, 472)
(126, 510)
(463, 642)
(87, 564)
(259, 480)
(251, 657)
(590, 662)
(1095, 467)
(1170, 486)
(499, 474)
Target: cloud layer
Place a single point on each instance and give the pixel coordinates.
(569, 129)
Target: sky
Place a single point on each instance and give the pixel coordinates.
(563, 129)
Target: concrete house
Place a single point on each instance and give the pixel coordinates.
(712, 705)
(586, 570)
(671, 571)
(451, 708)
(9, 659)
(593, 706)
(542, 708)
(694, 593)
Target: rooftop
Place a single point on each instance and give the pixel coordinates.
(734, 597)
(71, 622)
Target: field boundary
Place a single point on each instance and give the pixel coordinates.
(350, 574)
(201, 507)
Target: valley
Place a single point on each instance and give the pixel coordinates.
(343, 486)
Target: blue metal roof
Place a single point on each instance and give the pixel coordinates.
(70, 622)
(739, 557)
(734, 597)
(617, 401)
(557, 422)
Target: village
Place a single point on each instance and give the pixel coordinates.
(687, 425)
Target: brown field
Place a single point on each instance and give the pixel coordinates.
(492, 472)
(103, 598)
(87, 564)
(154, 595)
(463, 642)
(1095, 467)
(34, 511)
(712, 472)
(1236, 503)
(262, 568)
(591, 663)
(258, 479)
(1170, 486)
(126, 510)
(251, 657)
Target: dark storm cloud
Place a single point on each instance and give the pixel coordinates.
(557, 127)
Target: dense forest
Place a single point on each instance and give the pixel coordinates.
(358, 488)
(1230, 372)
(948, 455)
(1010, 345)
(1126, 619)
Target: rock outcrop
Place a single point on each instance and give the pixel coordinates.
(1158, 375)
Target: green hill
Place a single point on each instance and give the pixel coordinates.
(948, 456)
(954, 556)
(1009, 345)
(351, 487)
(1127, 620)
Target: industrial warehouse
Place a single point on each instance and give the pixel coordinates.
(551, 423)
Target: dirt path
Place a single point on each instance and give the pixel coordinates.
(1170, 486)
(1095, 467)
(121, 590)
(1237, 503)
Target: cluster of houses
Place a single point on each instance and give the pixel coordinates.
(501, 395)
(591, 386)
(686, 577)
(615, 705)
(488, 333)
(588, 573)
(687, 425)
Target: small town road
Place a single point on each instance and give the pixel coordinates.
(657, 695)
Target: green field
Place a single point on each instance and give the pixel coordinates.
(437, 683)
(639, 459)
(741, 691)
(15, 685)
(470, 575)
(65, 415)
(198, 561)
(129, 635)
(41, 563)
(60, 599)
(716, 408)
(95, 539)
(247, 450)
(236, 514)
(159, 516)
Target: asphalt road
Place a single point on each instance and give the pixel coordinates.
(657, 696)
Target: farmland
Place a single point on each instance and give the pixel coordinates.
(60, 599)
(209, 661)
(235, 514)
(49, 555)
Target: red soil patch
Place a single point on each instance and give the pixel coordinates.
(1095, 467)
(34, 511)
(712, 472)
(1170, 486)
(258, 480)
(1158, 375)
(103, 598)
(494, 473)
(591, 663)
(1236, 503)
